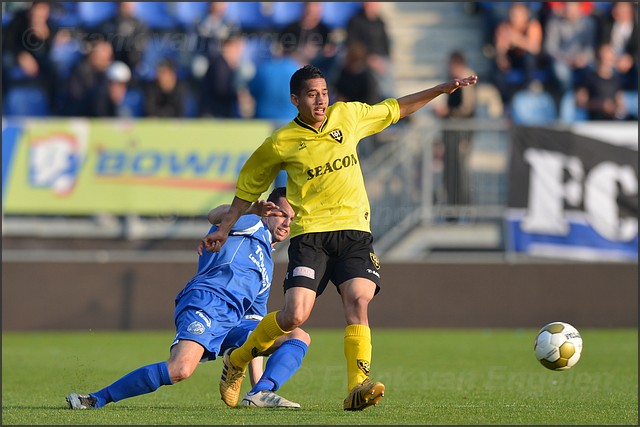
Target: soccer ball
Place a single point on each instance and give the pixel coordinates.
(558, 346)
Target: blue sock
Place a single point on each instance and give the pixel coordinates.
(141, 381)
(281, 365)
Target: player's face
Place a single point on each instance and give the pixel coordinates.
(312, 101)
(279, 225)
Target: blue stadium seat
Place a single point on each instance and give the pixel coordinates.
(6, 18)
(28, 101)
(533, 108)
(189, 13)
(569, 111)
(133, 104)
(156, 15)
(337, 14)
(65, 14)
(190, 106)
(257, 49)
(92, 14)
(65, 55)
(284, 13)
(157, 49)
(248, 15)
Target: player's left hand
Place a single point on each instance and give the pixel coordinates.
(456, 84)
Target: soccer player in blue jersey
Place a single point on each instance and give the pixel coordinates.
(330, 234)
(217, 310)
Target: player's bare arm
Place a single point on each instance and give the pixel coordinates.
(212, 242)
(261, 208)
(411, 103)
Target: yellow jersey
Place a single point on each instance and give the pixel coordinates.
(325, 186)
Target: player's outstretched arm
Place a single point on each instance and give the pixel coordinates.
(212, 242)
(409, 104)
(260, 208)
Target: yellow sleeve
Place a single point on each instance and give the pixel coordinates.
(375, 118)
(258, 172)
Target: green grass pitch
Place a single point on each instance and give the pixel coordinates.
(432, 376)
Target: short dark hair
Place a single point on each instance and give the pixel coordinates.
(305, 73)
(276, 194)
(458, 57)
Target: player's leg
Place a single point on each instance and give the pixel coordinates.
(184, 358)
(195, 333)
(298, 306)
(285, 359)
(356, 295)
(357, 274)
(305, 280)
(305, 274)
(261, 339)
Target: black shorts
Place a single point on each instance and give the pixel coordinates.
(316, 258)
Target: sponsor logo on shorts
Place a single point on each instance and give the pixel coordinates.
(204, 317)
(304, 272)
(196, 328)
(375, 260)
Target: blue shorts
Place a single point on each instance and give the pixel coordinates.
(203, 317)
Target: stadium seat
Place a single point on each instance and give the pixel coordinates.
(248, 15)
(6, 18)
(631, 103)
(531, 108)
(157, 49)
(65, 55)
(569, 112)
(156, 15)
(91, 14)
(257, 50)
(189, 13)
(284, 13)
(190, 106)
(64, 14)
(337, 14)
(133, 104)
(30, 101)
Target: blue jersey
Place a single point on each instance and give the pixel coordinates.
(241, 272)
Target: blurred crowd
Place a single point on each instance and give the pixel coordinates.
(187, 59)
(563, 60)
(576, 60)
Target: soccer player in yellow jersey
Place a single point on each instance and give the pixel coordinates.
(330, 234)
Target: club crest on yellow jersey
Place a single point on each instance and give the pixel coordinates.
(336, 134)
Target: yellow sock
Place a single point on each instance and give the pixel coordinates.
(262, 337)
(357, 350)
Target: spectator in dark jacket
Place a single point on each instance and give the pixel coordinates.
(87, 81)
(166, 96)
(219, 93)
(368, 27)
(129, 35)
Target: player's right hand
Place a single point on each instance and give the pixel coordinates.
(265, 208)
(213, 242)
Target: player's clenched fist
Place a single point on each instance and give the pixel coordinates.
(212, 242)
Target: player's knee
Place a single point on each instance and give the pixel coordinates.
(301, 335)
(180, 372)
(359, 302)
(292, 319)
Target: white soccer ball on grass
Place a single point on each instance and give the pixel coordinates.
(558, 346)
